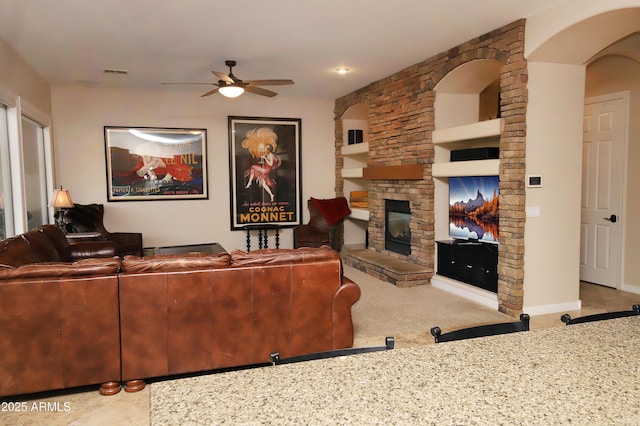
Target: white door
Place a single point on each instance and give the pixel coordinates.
(603, 159)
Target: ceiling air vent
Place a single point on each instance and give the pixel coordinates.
(116, 72)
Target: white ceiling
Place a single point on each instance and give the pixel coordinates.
(156, 41)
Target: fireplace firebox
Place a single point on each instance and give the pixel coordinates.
(397, 230)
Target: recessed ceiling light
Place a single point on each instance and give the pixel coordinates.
(342, 70)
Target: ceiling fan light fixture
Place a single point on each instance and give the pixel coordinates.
(230, 86)
(231, 91)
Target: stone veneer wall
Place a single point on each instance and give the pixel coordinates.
(401, 119)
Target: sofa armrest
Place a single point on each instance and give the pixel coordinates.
(348, 294)
(86, 249)
(59, 333)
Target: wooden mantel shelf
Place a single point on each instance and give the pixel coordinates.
(406, 172)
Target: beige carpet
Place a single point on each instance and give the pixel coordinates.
(407, 314)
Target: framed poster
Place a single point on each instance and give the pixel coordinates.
(145, 163)
(265, 175)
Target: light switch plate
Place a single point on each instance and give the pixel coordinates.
(533, 211)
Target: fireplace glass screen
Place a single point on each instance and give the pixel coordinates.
(397, 226)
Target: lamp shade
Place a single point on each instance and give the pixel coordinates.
(61, 199)
(231, 91)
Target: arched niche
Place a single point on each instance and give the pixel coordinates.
(468, 94)
(356, 111)
(355, 118)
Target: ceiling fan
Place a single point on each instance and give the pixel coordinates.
(231, 86)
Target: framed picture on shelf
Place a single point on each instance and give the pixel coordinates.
(265, 174)
(146, 163)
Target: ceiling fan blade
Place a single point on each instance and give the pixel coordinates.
(223, 77)
(211, 92)
(187, 83)
(269, 82)
(260, 91)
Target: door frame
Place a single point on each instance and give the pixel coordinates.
(625, 96)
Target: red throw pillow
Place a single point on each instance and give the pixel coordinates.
(333, 209)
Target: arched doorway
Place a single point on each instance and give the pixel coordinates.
(612, 76)
(558, 55)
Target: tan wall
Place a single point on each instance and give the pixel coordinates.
(20, 79)
(82, 112)
(631, 267)
(554, 151)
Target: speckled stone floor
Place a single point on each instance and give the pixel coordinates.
(384, 310)
(584, 374)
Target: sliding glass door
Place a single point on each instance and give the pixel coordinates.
(25, 172)
(6, 210)
(35, 182)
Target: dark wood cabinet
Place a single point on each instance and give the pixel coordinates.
(473, 263)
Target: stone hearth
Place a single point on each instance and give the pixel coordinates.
(387, 268)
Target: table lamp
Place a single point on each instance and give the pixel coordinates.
(61, 200)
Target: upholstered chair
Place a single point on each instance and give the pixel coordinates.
(89, 218)
(325, 224)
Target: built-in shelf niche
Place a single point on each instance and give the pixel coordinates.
(475, 135)
(355, 160)
(467, 115)
(469, 132)
(355, 157)
(352, 173)
(360, 214)
(356, 149)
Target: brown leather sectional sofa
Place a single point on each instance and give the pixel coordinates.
(59, 323)
(67, 323)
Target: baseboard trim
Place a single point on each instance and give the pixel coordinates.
(475, 294)
(554, 308)
(631, 288)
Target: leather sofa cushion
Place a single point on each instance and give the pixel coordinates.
(174, 262)
(86, 249)
(84, 267)
(280, 256)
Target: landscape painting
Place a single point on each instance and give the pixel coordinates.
(474, 209)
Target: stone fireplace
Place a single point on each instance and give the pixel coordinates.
(398, 115)
(400, 229)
